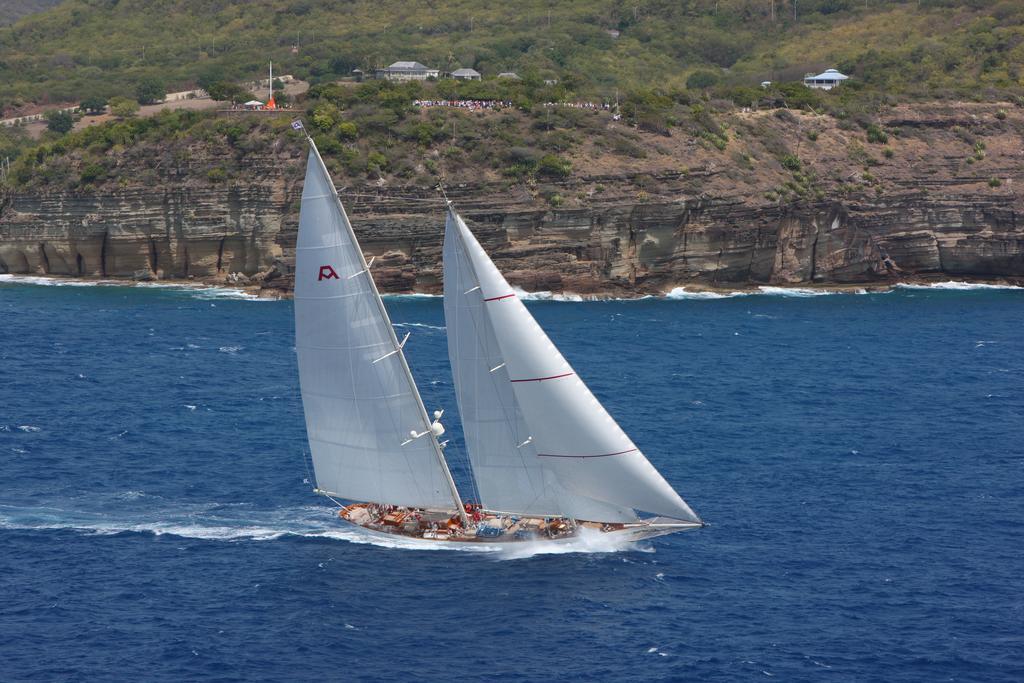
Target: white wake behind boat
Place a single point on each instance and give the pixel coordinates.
(548, 462)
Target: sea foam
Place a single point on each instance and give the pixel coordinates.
(196, 291)
(957, 286)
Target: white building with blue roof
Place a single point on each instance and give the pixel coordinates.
(826, 80)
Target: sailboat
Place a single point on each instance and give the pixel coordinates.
(548, 462)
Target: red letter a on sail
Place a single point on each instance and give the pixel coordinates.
(327, 273)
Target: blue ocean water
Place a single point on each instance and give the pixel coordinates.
(859, 459)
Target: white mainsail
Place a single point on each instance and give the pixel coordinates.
(572, 445)
(360, 401)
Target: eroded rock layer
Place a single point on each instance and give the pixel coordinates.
(635, 232)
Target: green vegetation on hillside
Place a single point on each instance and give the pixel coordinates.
(925, 48)
(12, 10)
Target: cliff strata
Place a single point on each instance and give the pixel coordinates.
(723, 220)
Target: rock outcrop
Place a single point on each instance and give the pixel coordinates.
(922, 216)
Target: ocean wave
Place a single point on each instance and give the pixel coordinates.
(56, 282)
(798, 292)
(411, 295)
(681, 293)
(196, 291)
(956, 286)
(523, 295)
(422, 326)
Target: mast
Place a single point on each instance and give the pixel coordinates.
(442, 462)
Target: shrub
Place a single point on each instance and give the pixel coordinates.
(376, 162)
(217, 175)
(123, 107)
(348, 131)
(791, 162)
(91, 173)
(877, 135)
(812, 135)
(1001, 114)
(888, 153)
(325, 116)
(554, 166)
(994, 182)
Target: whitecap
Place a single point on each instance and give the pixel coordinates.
(422, 325)
(794, 291)
(53, 281)
(29, 428)
(199, 291)
(956, 286)
(411, 295)
(226, 293)
(681, 293)
(523, 295)
(230, 349)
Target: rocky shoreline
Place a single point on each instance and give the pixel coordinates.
(683, 292)
(938, 209)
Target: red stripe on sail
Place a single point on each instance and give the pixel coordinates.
(541, 379)
(499, 298)
(601, 455)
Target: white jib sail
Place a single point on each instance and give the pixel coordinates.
(359, 399)
(508, 475)
(572, 436)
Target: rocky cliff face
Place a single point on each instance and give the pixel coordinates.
(621, 234)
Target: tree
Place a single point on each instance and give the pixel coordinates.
(123, 107)
(59, 121)
(700, 80)
(93, 105)
(211, 76)
(149, 91)
(228, 92)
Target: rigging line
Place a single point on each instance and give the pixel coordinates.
(305, 461)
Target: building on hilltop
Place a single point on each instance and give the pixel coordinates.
(510, 74)
(826, 80)
(406, 71)
(466, 75)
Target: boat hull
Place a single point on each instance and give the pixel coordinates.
(492, 529)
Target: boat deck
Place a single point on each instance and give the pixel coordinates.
(485, 526)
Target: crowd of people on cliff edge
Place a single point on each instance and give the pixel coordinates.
(476, 105)
(472, 105)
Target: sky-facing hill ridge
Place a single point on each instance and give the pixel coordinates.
(105, 47)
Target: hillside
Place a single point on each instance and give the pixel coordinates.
(924, 48)
(581, 203)
(12, 10)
